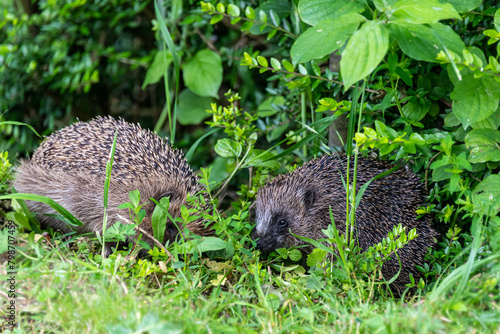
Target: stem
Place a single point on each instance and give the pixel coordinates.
(303, 116)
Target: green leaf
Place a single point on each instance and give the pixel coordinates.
(315, 11)
(474, 99)
(250, 13)
(158, 68)
(262, 61)
(492, 122)
(423, 11)
(295, 255)
(364, 51)
(485, 145)
(203, 73)
(288, 66)
(228, 148)
(497, 19)
(233, 10)
(192, 109)
(487, 193)
(415, 111)
(266, 108)
(275, 63)
(211, 244)
(315, 257)
(159, 219)
(324, 38)
(424, 42)
(463, 6)
(135, 197)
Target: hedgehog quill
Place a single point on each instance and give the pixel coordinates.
(70, 167)
(299, 202)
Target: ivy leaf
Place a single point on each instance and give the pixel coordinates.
(315, 257)
(422, 42)
(228, 148)
(364, 51)
(474, 99)
(485, 145)
(315, 11)
(423, 11)
(203, 73)
(324, 38)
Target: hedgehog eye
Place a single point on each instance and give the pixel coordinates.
(282, 223)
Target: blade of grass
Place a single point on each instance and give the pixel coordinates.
(193, 147)
(20, 123)
(107, 181)
(50, 202)
(175, 58)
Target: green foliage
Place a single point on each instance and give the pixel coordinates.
(426, 94)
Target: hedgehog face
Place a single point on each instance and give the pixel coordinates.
(279, 215)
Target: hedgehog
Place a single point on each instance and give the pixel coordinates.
(299, 203)
(70, 168)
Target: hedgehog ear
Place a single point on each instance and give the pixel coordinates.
(309, 197)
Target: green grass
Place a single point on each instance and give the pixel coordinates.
(66, 289)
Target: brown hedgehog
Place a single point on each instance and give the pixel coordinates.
(299, 202)
(70, 167)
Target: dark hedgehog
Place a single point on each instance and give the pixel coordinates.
(299, 202)
(70, 167)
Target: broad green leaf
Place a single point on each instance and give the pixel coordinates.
(487, 194)
(423, 11)
(474, 99)
(191, 108)
(492, 122)
(203, 73)
(211, 244)
(266, 108)
(415, 111)
(159, 219)
(424, 42)
(315, 11)
(364, 51)
(324, 38)
(463, 6)
(497, 19)
(485, 145)
(228, 148)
